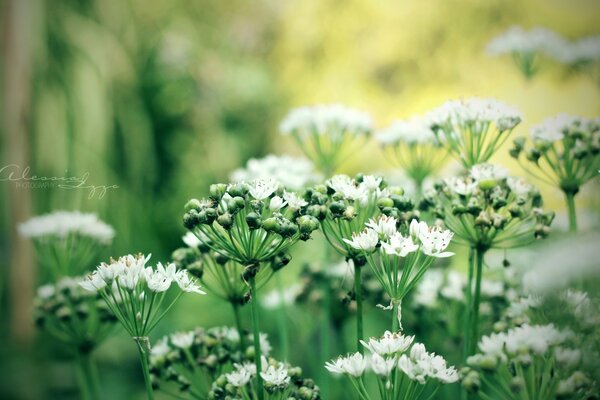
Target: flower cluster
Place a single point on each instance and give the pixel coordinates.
(327, 134)
(251, 222)
(413, 145)
(345, 204)
(473, 129)
(67, 242)
(183, 357)
(399, 260)
(488, 209)
(73, 315)
(293, 173)
(279, 381)
(525, 46)
(565, 150)
(134, 291)
(400, 372)
(526, 360)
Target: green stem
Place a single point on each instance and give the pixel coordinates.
(395, 323)
(325, 328)
(256, 331)
(281, 317)
(469, 306)
(86, 373)
(143, 345)
(479, 253)
(359, 307)
(572, 212)
(238, 324)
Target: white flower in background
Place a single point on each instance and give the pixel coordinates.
(183, 340)
(343, 269)
(276, 376)
(93, 283)
(293, 173)
(160, 349)
(336, 366)
(265, 346)
(260, 189)
(426, 293)
(385, 226)
(191, 240)
(519, 186)
(582, 51)
(366, 240)
(389, 344)
(567, 357)
(488, 172)
(518, 40)
(526, 338)
(579, 300)
(399, 245)
(553, 129)
(294, 201)
(348, 187)
(186, 283)
(276, 298)
(454, 286)
(371, 182)
(475, 110)
(45, 292)
(412, 131)
(492, 288)
(333, 120)
(434, 241)
(238, 378)
(63, 223)
(276, 203)
(382, 366)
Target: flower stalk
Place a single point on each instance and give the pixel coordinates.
(256, 333)
(143, 345)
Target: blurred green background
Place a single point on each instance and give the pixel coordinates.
(162, 98)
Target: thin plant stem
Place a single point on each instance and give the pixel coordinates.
(359, 306)
(87, 376)
(238, 324)
(469, 305)
(395, 322)
(572, 211)
(479, 253)
(281, 317)
(325, 333)
(143, 345)
(256, 331)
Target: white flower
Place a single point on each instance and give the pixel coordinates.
(389, 343)
(291, 172)
(454, 287)
(170, 271)
(416, 227)
(412, 131)
(331, 120)
(554, 128)
(183, 340)
(399, 245)
(160, 348)
(260, 189)
(348, 187)
(434, 241)
(63, 223)
(385, 226)
(582, 51)
(475, 112)
(519, 186)
(158, 282)
(191, 240)
(45, 292)
(294, 201)
(275, 298)
(382, 366)
(366, 240)
(276, 376)
(520, 41)
(371, 182)
(567, 357)
(239, 377)
(462, 186)
(487, 172)
(355, 365)
(93, 282)
(276, 203)
(336, 366)
(185, 283)
(426, 293)
(492, 288)
(265, 345)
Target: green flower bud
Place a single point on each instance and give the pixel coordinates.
(193, 204)
(238, 190)
(321, 189)
(253, 220)
(515, 211)
(317, 211)
(396, 190)
(308, 224)
(483, 220)
(349, 213)
(488, 362)
(488, 184)
(402, 203)
(458, 208)
(541, 231)
(517, 384)
(385, 202)
(225, 221)
(217, 191)
(474, 206)
(471, 382)
(236, 204)
(271, 225)
(190, 219)
(288, 229)
(210, 215)
(533, 155)
(337, 208)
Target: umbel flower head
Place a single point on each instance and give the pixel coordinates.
(398, 260)
(134, 291)
(488, 209)
(400, 368)
(279, 381)
(526, 359)
(187, 359)
(345, 204)
(412, 145)
(473, 129)
(67, 242)
(293, 173)
(526, 47)
(249, 223)
(327, 134)
(72, 315)
(564, 149)
(220, 275)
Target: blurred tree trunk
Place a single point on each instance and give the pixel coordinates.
(17, 27)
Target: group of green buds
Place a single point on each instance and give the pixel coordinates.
(488, 209)
(73, 315)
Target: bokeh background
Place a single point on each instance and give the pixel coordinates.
(162, 98)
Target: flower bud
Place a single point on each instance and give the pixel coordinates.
(238, 190)
(217, 191)
(288, 229)
(225, 221)
(385, 202)
(253, 220)
(236, 204)
(271, 225)
(317, 211)
(471, 382)
(337, 208)
(488, 362)
(533, 155)
(483, 220)
(474, 206)
(396, 190)
(517, 384)
(190, 220)
(210, 214)
(192, 204)
(349, 213)
(308, 224)
(402, 203)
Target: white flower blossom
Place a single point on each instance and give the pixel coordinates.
(294, 202)
(276, 376)
(382, 366)
(261, 189)
(385, 226)
(293, 173)
(276, 203)
(366, 240)
(389, 344)
(488, 172)
(183, 340)
(399, 245)
(238, 378)
(412, 131)
(434, 241)
(553, 129)
(333, 120)
(521, 41)
(63, 223)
